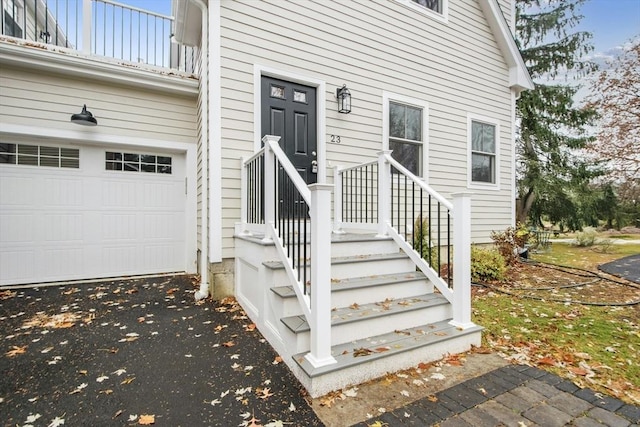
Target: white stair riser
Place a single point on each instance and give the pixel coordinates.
(358, 374)
(340, 249)
(371, 294)
(364, 295)
(354, 269)
(347, 248)
(347, 332)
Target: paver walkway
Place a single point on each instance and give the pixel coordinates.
(513, 395)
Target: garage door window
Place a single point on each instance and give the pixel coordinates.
(134, 162)
(39, 155)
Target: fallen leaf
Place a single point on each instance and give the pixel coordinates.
(277, 360)
(15, 350)
(128, 380)
(250, 327)
(228, 344)
(146, 420)
(358, 352)
(354, 306)
(548, 360)
(579, 371)
(265, 393)
(292, 407)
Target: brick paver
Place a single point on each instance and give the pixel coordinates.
(515, 395)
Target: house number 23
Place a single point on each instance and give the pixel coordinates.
(335, 139)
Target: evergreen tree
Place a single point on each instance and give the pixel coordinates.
(551, 128)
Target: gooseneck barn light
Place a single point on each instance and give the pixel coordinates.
(344, 99)
(84, 118)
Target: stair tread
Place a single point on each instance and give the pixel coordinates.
(358, 282)
(335, 238)
(347, 259)
(385, 345)
(357, 313)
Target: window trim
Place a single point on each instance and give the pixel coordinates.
(443, 17)
(489, 121)
(388, 97)
(10, 10)
(139, 163)
(38, 157)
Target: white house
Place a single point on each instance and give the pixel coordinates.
(287, 151)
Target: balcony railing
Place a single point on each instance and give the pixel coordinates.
(99, 27)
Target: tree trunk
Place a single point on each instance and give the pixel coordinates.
(523, 206)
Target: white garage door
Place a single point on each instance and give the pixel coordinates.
(79, 212)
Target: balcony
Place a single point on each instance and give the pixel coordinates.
(104, 29)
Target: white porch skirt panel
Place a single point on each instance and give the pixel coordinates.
(67, 224)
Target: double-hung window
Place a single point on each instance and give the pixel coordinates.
(406, 133)
(483, 152)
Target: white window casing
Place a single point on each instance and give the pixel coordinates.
(494, 171)
(436, 9)
(387, 99)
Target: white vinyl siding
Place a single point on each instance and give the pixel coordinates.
(385, 47)
(47, 100)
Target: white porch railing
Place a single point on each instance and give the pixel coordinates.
(277, 203)
(99, 27)
(435, 233)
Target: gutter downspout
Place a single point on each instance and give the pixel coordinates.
(203, 292)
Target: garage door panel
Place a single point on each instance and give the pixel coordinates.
(62, 227)
(119, 227)
(10, 186)
(61, 262)
(17, 227)
(61, 192)
(66, 224)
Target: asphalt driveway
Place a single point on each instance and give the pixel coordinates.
(627, 267)
(129, 352)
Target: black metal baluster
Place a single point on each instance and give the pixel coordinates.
(439, 234)
(449, 248)
(429, 230)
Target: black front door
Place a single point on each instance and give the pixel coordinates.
(289, 111)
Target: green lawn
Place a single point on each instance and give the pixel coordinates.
(596, 347)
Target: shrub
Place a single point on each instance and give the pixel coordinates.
(585, 238)
(421, 243)
(508, 242)
(487, 265)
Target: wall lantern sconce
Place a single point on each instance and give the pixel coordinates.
(84, 118)
(344, 99)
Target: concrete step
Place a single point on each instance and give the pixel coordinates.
(364, 359)
(363, 290)
(359, 321)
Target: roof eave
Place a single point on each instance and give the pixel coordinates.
(519, 77)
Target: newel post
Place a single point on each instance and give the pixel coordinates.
(320, 322)
(269, 184)
(384, 192)
(86, 26)
(462, 260)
